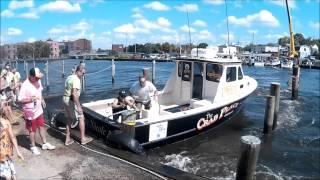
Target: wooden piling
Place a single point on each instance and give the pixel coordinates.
(153, 71)
(275, 91)
(34, 63)
(47, 74)
(295, 70)
(26, 69)
(63, 74)
(250, 147)
(24, 66)
(83, 83)
(269, 115)
(295, 87)
(113, 70)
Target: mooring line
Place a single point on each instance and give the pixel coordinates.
(114, 157)
(98, 71)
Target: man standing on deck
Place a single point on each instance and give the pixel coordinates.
(142, 92)
(30, 96)
(72, 104)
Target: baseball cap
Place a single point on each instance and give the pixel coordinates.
(122, 93)
(35, 72)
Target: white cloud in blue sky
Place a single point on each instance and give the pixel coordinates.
(126, 21)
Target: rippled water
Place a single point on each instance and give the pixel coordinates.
(291, 152)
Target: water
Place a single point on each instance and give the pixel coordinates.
(292, 152)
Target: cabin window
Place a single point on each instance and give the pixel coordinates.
(186, 71)
(240, 74)
(179, 68)
(231, 74)
(214, 72)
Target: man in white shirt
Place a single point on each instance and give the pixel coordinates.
(142, 91)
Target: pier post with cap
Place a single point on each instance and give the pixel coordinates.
(295, 82)
(47, 74)
(63, 74)
(275, 91)
(269, 115)
(113, 70)
(250, 147)
(153, 71)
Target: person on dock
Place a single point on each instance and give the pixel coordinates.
(7, 142)
(30, 96)
(72, 105)
(16, 82)
(142, 92)
(6, 97)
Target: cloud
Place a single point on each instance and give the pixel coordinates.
(31, 40)
(251, 31)
(129, 29)
(60, 6)
(185, 29)
(274, 36)
(214, 2)
(72, 31)
(32, 14)
(199, 23)
(157, 6)
(292, 3)
(264, 17)
(225, 37)
(315, 25)
(188, 8)
(137, 16)
(20, 4)
(163, 22)
(14, 31)
(205, 35)
(7, 13)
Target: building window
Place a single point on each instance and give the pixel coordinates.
(231, 74)
(214, 72)
(240, 74)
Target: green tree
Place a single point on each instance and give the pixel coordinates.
(299, 39)
(203, 45)
(283, 41)
(165, 47)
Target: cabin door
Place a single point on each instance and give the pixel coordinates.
(197, 80)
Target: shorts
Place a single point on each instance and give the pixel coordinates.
(32, 125)
(7, 169)
(71, 107)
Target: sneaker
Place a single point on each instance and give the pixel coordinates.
(48, 146)
(35, 150)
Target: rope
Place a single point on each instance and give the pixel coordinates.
(116, 158)
(98, 71)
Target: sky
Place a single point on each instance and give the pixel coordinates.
(108, 22)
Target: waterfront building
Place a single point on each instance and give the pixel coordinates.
(118, 48)
(8, 52)
(224, 49)
(304, 51)
(54, 47)
(314, 49)
(265, 49)
(82, 45)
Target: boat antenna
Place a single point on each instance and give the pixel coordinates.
(227, 24)
(189, 29)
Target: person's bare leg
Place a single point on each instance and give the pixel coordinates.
(42, 132)
(8, 113)
(68, 126)
(82, 128)
(32, 139)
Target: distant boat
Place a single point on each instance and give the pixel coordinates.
(275, 62)
(286, 63)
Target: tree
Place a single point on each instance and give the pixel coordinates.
(165, 47)
(203, 45)
(283, 41)
(299, 39)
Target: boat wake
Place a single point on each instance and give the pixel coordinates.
(182, 162)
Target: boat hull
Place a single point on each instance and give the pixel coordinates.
(167, 131)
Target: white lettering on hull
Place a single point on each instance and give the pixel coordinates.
(210, 118)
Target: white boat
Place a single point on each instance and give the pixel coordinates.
(202, 92)
(286, 63)
(275, 62)
(259, 62)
